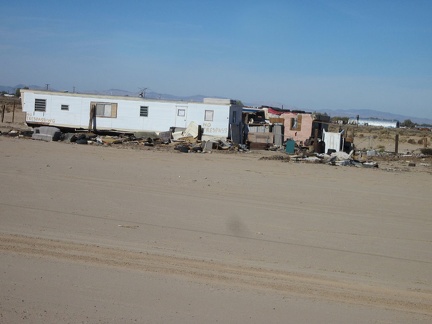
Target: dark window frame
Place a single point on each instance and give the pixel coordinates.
(208, 115)
(144, 111)
(101, 109)
(40, 105)
(183, 112)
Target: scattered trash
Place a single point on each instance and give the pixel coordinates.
(187, 140)
(165, 137)
(129, 226)
(47, 133)
(109, 140)
(335, 158)
(69, 137)
(81, 139)
(13, 133)
(208, 146)
(184, 148)
(283, 158)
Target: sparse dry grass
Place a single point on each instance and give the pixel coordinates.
(9, 103)
(383, 139)
(11, 113)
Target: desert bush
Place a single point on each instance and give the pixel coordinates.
(408, 123)
(411, 141)
(426, 151)
(380, 148)
(386, 136)
(420, 141)
(408, 132)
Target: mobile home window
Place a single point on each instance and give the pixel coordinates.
(181, 112)
(234, 116)
(143, 111)
(40, 104)
(296, 123)
(105, 109)
(64, 107)
(208, 116)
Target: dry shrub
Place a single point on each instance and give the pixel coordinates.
(426, 151)
(380, 148)
(411, 141)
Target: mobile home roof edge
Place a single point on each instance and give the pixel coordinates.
(217, 101)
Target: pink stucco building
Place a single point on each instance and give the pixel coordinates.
(297, 126)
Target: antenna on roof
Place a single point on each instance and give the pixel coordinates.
(143, 92)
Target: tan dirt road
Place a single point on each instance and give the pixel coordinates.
(94, 234)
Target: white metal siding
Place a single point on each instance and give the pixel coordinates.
(333, 141)
(161, 114)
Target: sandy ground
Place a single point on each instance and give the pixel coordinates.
(105, 235)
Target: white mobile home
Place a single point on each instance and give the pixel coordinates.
(218, 117)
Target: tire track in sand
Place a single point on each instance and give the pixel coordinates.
(222, 273)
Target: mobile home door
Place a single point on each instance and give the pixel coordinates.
(181, 116)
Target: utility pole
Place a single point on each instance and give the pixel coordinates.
(396, 143)
(47, 85)
(13, 113)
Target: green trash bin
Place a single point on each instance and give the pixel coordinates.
(289, 146)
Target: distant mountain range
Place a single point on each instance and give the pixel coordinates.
(369, 113)
(363, 113)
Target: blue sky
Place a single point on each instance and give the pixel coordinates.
(307, 54)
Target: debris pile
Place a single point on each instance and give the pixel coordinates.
(335, 158)
(283, 158)
(191, 140)
(185, 141)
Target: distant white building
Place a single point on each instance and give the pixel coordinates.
(374, 122)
